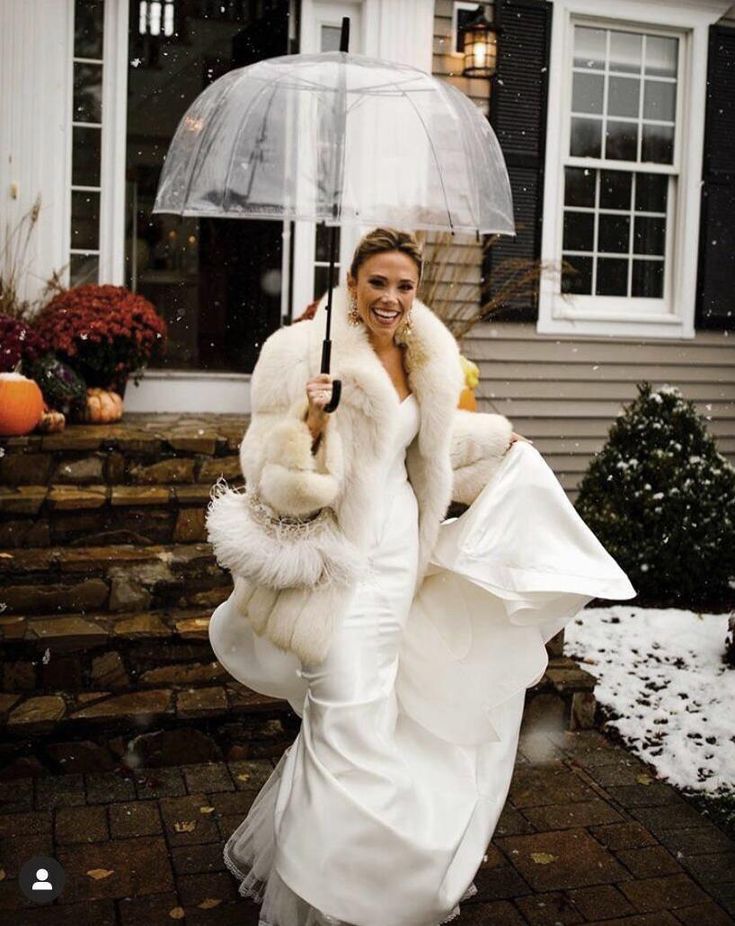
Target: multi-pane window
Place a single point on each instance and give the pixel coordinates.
(620, 171)
(86, 158)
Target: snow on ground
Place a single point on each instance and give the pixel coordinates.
(660, 673)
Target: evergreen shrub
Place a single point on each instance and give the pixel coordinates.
(661, 499)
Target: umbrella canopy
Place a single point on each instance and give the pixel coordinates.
(340, 139)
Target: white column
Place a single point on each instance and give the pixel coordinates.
(400, 31)
(114, 140)
(36, 42)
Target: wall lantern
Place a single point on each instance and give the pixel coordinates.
(156, 17)
(480, 44)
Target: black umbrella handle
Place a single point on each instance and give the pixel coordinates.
(336, 383)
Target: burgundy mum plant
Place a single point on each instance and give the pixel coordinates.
(105, 333)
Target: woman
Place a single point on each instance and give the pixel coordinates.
(409, 674)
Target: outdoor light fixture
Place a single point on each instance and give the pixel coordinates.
(480, 43)
(156, 17)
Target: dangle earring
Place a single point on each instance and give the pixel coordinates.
(353, 316)
(403, 335)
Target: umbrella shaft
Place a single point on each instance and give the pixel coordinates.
(330, 279)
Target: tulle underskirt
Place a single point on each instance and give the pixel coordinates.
(249, 855)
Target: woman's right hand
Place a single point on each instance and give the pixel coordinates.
(319, 394)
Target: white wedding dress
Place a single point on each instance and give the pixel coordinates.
(381, 810)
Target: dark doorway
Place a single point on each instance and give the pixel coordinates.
(216, 281)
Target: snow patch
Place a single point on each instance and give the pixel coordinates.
(661, 673)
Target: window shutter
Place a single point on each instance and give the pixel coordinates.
(518, 114)
(715, 308)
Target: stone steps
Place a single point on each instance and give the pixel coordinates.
(72, 632)
(144, 480)
(139, 449)
(63, 731)
(123, 652)
(88, 730)
(98, 514)
(108, 587)
(115, 578)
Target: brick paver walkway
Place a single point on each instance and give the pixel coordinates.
(587, 836)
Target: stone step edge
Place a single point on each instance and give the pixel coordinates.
(70, 560)
(132, 437)
(31, 499)
(565, 675)
(78, 631)
(34, 714)
(37, 714)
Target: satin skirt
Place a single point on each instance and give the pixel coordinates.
(380, 812)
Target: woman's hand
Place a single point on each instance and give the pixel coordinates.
(514, 437)
(319, 394)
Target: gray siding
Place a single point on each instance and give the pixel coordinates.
(564, 393)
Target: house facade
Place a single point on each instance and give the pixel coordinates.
(617, 123)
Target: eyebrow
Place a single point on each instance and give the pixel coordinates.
(381, 277)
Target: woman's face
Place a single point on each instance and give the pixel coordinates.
(385, 289)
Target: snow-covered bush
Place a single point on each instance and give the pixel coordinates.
(661, 499)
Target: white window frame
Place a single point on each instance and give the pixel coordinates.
(114, 142)
(110, 249)
(672, 317)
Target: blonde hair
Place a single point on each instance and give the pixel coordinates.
(380, 240)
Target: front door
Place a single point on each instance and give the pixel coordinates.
(216, 281)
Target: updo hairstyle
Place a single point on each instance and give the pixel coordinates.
(386, 239)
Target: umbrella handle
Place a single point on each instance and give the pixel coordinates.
(336, 394)
(336, 383)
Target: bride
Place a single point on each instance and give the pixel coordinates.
(409, 667)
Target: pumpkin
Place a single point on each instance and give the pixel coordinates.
(467, 400)
(103, 406)
(21, 404)
(51, 422)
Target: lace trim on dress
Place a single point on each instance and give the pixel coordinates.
(249, 855)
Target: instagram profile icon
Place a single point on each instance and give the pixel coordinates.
(41, 879)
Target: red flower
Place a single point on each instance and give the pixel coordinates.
(103, 332)
(19, 343)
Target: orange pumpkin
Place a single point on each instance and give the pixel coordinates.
(467, 400)
(21, 404)
(103, 406)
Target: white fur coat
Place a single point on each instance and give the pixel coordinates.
(452, 458)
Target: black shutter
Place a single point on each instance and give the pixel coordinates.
(518, 114)
(717, 228)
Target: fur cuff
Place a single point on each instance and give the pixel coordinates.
(479, 441)
(294, 481)
(273, 556)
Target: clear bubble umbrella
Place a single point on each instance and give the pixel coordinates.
(339, 139)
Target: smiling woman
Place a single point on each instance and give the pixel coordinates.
(383, 279)
(409, 674)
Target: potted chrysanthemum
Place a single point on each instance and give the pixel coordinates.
(106, 334)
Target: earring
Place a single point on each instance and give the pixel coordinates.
(353, 316)
(403, 335)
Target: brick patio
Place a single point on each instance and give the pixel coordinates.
(587, 836)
